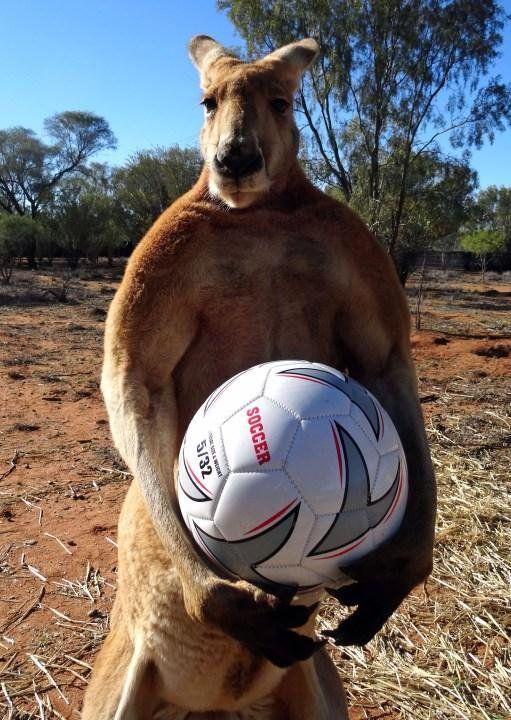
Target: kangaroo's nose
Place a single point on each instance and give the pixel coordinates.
(237, 163)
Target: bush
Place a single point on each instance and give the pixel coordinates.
(483, 243)
(18, 234)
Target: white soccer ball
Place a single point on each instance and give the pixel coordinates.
(289, 472)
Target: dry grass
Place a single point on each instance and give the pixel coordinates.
(446, 652)
(59, 660)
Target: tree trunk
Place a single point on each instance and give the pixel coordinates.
(396, 225)
(73, 260)
(483, 267)
(31, 253)
(5, 273)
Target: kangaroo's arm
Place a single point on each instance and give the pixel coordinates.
(374, 333)
(151, 323)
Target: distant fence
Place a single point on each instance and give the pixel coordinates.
(460, 260)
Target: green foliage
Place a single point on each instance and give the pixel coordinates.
(85, 208)
(437, 202)
(17, 235)
(77, 136)
(98, 210)
(393, 77)
(30, 169)
(150, 181)
(483, 242)
(23, 158)
(492, 210)
(85, 218)
(16, 232)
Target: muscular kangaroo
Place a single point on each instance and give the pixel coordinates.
(253, 264)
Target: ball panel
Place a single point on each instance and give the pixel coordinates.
(203, 524)
(207, 535)
(251, 502)
(346, 528)
(203, 465)
(306, 390)
(365, 408)
(258, 437)
(243, 557)
(291, 552)
(318, 532)
(188, 485)
(316, 466)
(292, 575)
(329, 368)
(386, 438)
(353, 534)
(276, 364)
(387, 469)
(395, 514)
(234, 394)
(191, 507)
(327, 566)
(389, 439)
(331, 563)
(370, 454)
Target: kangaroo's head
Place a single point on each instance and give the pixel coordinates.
(249, 139)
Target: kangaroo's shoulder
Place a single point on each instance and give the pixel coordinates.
(188, 218)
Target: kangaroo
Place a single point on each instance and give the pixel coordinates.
(252, 264)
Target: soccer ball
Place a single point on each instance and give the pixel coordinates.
(289, 472)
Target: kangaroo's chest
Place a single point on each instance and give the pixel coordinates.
(261, 297)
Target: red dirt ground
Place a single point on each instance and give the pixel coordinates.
(61, 477)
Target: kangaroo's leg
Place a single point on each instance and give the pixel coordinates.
(123, 684)
(313, 690)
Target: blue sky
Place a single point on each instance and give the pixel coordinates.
(128, 62)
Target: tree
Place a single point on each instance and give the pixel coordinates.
(150, 181)
(482, 243)
(17, 233)
(31, 170)
(492, 211)
(439, 200)
(96, 211)
(85, 217)
(397, 75)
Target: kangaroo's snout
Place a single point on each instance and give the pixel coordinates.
(237, 161)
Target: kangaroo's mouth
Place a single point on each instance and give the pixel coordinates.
(239, 192)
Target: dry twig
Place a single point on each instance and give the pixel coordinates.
(12, 467)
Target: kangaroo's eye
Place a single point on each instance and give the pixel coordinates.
(209, 104)
(279, 105)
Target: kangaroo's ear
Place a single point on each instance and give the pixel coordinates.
(294, 58)
(204, 51)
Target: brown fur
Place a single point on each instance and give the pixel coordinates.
(287, 272)
(184, 665)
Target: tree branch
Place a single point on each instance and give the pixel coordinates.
(327, 120)
(338, 173)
